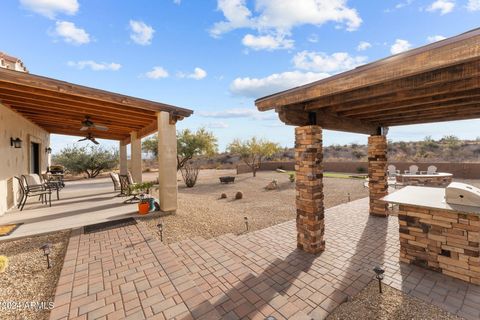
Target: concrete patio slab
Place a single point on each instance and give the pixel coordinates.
(81, 203)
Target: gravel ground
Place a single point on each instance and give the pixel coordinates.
(201, 212)
(392, 304)
(27, 278)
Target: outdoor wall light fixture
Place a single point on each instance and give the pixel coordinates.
(160, 229)
(379, 275)
(246, 222)
(48, 150)
(17, 142)
(46, 252)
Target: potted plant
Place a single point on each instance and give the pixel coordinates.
(143, 189)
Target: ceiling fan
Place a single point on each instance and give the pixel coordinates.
(87, 123)
(90, 137)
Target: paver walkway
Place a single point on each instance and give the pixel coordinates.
(125, 273)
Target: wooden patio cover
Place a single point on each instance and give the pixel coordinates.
(437, 82)
(59, 107)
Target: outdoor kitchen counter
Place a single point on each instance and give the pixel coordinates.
(437, 235)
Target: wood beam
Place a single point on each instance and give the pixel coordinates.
(414, 103)
(31, 81)
(61, 113)
(401, 87)
(443, 118)
(440, 91)
(426, 109)
(327, 120)
(45, 99)
(441, 54)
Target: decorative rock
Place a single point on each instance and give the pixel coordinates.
(238, 195)
(223, 196)
(273, 185)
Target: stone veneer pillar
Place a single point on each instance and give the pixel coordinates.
(309, 189)
(377, 174)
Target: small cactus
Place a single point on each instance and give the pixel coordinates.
(223, 196)
(3, 263)
(238, 195)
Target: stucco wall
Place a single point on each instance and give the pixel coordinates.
(16, 161)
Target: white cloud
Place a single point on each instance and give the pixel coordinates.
(216, 125)
(157, 73)
(444, 6)
(267, 42)
(198, 74)
(251, 113)
(322, 62)
(95, 66)
(473, 5)
(142, 33)
(400, 45)
(274, 19)
(50, 8)
(363, 45)
(259, 87)
(435, 38)
(70, 33)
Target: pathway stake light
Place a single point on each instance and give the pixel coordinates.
(46, 252)
(246, 222)
(160, 229)
(379, 275)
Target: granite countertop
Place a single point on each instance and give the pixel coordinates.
(427, 197)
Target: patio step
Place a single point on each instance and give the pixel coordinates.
(234, 288)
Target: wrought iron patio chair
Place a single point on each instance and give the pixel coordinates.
(29, 188)
(126, 189)
(115, 181)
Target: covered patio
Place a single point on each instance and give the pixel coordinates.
(33, 107)
(434, 83)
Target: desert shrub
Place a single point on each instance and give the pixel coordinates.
(189, 174)
(91, 161)
(238, 195)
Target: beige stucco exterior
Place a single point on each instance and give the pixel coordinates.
(167, 162)
(136, 157)
(14, 162)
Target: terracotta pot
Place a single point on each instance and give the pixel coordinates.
(144, 207)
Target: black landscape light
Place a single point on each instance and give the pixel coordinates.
(270, 318)
(379, 275)
(160, 229)
(46, 252)
(348, 196)
(246, 222)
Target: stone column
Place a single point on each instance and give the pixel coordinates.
(167, 162)
(136, 157)
(123, 158)
(309, 189)
(377, 174)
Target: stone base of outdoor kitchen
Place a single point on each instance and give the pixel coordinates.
(432, 180)
(441, 240)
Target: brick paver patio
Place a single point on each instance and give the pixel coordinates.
(126, 273)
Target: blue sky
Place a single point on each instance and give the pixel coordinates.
(216, 57)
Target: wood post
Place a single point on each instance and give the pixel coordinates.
(136, 157)
(309, 189)
(123, 158)
(377, 174)
(167, 162)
